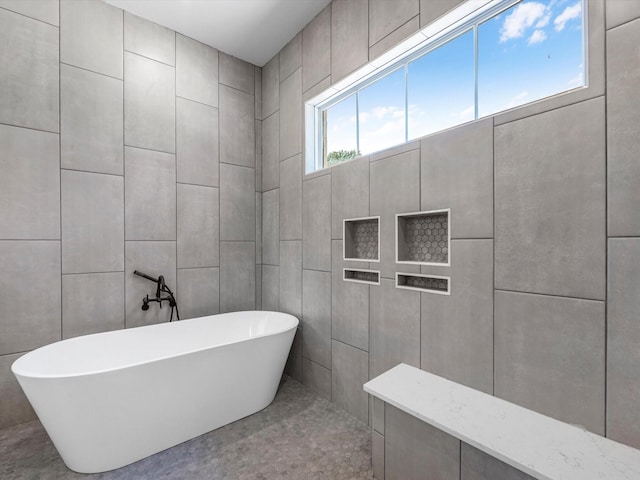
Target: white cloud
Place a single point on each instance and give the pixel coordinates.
(380, 113)
(576, 81)
(467, 113)
(536, 37)
(569, 13)
(517, 100)
(522, 18)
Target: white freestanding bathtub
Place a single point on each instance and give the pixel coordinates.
(110, 399)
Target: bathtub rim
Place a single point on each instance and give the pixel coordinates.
(16, 365)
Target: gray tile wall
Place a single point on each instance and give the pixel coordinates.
(112, 160)
(535, 194)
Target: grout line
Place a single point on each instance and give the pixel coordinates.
(36, 19)
(65, 169)
(38, 129)
(124, 178)
(194, 101)
(606, 229)
(542, 112)
(92, 273)
(60, 181)
(94, 72)
(146, 56)
(493, 263)
(175, 158)
(349, 345)
(551, 295)
(148, 149)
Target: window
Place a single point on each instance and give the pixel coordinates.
(484, 57)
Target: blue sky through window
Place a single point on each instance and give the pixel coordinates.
(528, 52)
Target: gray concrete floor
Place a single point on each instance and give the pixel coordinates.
(299, 436)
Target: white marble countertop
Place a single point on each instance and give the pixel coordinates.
(538, 445)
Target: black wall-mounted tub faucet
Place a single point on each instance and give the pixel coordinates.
(161, 287)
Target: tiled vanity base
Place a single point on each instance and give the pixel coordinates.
(427, 427)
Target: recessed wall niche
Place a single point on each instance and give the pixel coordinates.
(423, 238)
(424, 283)
(361, 239)
(371, 277)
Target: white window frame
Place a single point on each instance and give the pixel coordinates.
(459, 21)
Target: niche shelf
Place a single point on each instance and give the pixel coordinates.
(424, 238)
(361, 239)
(424, 283)
(372, 277)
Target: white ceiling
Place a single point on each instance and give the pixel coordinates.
(253, 30)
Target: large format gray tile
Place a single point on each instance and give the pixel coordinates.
(29, 182)
(385, 16)
(349, 304)
(92, 222)
(237, 203)
(457, 329)
(258, 153)
(198, 292)
(150, 193)
(271, 152)
(237, 127)
(271, 227)
(623, 337)
(395, 37)
(317, 378)
(237, 276)
(270, 287)
(377, 455)
(271, 87)
(258, 284)
(621, 11)
(291, 199)
(259, 211)
(149, 104)
(316, 49)
(414, 449)
(257, 91)
(316, 316)
(45, 10)
(457, 173)
(316, 223)
(293, 367)
(477, 465)
(92, 303)
(349, 371)
(394, 318)
(15, 407)
(291, 57)
(394, 188)
(149, 39)
(154, 259)
(91, 117)
(349, 36)
(29, 268)
(236, 73)
(623, 131)
(291, 115)
(29, 72)
(550, 356)
(430, 10)
(196, 143)
(196, 71)
(198, 225)
(91, 36)
(290, 300)
(349, 193)
(550, 202)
